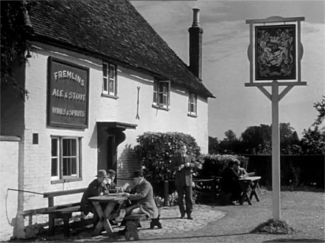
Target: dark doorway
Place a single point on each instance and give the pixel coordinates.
(109, 136)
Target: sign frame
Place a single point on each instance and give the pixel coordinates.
(68, 122)
(275, 22)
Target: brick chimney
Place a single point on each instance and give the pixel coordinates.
(196, 45)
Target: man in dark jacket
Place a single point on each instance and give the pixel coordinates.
(230, 182)
(183, 182)
(97, 187)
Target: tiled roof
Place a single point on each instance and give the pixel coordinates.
(111, 29)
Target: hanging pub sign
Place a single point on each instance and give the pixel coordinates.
(275, 50)
(67, 94)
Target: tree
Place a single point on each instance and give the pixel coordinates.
(214, 146)
(320, 107)
(313, 141)
(257, 139)
(15, 30)
(230, 144)
(289, 141)
(230, 136)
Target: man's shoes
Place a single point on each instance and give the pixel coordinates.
(122, 232)
(182, 215)
(189, 217)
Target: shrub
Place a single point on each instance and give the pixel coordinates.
(214, 164)
(158, 152)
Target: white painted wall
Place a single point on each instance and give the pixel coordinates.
(37, 166)
(9, 179)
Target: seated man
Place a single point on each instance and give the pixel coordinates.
(141, 197)
(95, 188)
(241, 172)
(111, 174)
(230, 183)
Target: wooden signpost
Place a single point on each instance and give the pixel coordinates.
(275, 53)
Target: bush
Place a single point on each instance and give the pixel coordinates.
(214, 164)
(158, 152)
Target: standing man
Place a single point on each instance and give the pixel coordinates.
(183, 182)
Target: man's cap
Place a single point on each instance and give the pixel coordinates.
(111, 171)
(101, 173)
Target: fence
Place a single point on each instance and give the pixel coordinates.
(296, 170)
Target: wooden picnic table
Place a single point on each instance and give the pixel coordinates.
(112, 197)
(250, 184)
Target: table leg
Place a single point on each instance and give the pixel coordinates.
(108, 226)
(99, 226)
(245, 186)
(253, 192)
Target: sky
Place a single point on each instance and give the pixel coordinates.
(225, 63)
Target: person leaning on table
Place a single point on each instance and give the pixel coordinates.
(241, 172)
(97, 187)
(230, 182)
(141, 197)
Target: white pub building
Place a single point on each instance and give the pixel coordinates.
(98, 76)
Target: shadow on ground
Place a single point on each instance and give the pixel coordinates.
(294, 240)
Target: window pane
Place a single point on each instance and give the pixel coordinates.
(54, 167)
(54, 147)
(164, 99)
(66, 166)
(73, 166)
(112, 71)
(155, 93)
(105, 84)
(69, 147)
(73, 147)
(105, 69)
(161, 98)
(66, 147)
(111, 86)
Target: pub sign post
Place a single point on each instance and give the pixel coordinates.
(275, 52)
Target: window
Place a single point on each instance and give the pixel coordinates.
(161, 94)
(109, 79)
(65, 158)
(192, 104)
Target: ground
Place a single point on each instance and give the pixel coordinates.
(303, 211)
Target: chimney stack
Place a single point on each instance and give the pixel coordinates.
(196, 45)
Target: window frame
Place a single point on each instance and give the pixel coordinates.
(109, 76)
(161, 94)
(60, 159)
(192, 105)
